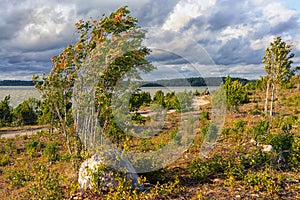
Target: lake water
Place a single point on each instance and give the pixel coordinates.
(20, 93)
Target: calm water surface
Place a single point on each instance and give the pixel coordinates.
(18, 93)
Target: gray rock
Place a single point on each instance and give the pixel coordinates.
(107, 176)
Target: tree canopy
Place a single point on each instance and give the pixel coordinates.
(106, 49)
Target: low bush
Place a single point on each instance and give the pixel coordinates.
(51, 152)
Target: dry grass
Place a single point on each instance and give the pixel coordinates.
(217, 186)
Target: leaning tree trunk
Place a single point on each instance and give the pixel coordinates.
(272, 99)
(267, 96)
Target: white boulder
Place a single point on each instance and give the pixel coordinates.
(106, 178)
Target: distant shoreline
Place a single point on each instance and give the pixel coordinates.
(16, 83)
(196, 81)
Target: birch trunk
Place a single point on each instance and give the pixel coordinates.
(272, 100)
(267, 96)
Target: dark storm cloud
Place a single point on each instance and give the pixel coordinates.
(285, 26)
(226, 14)
(155, 12)
(232, 34)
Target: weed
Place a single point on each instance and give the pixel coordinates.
(51, 152)
(262, 181)
(4, 160)
(31, 147)
(18, 178)
(46, 185)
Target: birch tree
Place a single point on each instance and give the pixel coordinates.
(278, 67)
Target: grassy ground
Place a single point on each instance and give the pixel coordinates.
(39, 167)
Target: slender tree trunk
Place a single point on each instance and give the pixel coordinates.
(272, 99)
(64, 128)
(267, 96)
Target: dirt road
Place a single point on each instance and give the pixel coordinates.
(21, 132)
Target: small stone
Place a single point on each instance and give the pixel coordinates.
(252, 141)
(267, 148)
(254, 195)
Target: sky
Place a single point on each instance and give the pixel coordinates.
(188, 38)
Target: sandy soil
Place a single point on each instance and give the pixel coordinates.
(14, 133)
(197, 102)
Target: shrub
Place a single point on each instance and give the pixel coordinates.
(4, 160)
(159, 98)
(204, 115)
(33, 146)
(51, 152)
(26, 112)
(202, 170)
(281, 141)
(18, 178)
(236, 93)
(294, 158)
(260, 130)
(262, 181)
(46, 185)
(5, 112)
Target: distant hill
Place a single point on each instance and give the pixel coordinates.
(196, 81)
(16, 83)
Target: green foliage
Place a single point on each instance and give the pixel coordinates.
(197, 93)
(278, 63)
(204, 115)
(294, 157)
(185, 100)
(236, 93)
(18, 178)
(278, 67)
(138, 118)
(51, 152)
(27, 112)
(46, 114)
(113, 47)
(171, 101)
(293, 100)
(145, 145)
(47, 185)
(281, 142)
(262, 181)
(32, 147)
(260, 130)
(203, 170)
(4, 159)
(5, 112)
(139, 99)
(10, 147)
(159, 98)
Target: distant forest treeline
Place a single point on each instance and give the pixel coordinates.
(199, 81)
(16, 83)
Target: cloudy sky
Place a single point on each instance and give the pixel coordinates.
(188, 37)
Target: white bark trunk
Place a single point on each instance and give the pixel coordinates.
(272, 100)
(267, 96)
